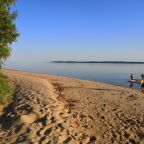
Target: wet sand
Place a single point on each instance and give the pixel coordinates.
(49, 109)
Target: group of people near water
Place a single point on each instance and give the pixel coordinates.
(133, 80)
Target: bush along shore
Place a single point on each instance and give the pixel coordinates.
(5, 89)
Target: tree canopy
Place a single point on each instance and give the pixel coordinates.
(8, 31)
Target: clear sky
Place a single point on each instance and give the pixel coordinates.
(79, 30)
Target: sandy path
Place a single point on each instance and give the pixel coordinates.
(36, 115)
(55, 110)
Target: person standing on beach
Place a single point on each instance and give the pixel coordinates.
(132, 77)
(142, 83)
(132, 80)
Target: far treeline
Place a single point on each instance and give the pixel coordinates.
(108, 62)
(8, 31)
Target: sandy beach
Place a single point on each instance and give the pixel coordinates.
(49, 109)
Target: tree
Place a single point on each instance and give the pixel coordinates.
(8, 31)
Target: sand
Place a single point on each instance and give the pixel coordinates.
(58, 110)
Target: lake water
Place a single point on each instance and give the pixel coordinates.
(117, 74)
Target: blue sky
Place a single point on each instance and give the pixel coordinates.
(79, 30)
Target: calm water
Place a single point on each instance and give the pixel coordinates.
(110, 73)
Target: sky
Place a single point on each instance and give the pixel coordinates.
(79, 30)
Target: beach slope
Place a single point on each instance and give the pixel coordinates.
(49, 109)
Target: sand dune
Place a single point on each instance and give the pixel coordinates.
(58, 110)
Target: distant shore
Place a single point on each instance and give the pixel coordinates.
(104, 62)
(54, 109)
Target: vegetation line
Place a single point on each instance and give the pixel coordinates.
(5, 89)
(108, 62)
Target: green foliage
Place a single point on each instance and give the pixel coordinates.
(4, 89)
(8, 31)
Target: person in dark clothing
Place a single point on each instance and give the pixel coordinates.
(132, 77)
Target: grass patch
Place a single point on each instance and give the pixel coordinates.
(4, 89)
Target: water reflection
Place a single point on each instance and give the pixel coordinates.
(132, 85)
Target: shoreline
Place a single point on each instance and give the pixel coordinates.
(107, 83)
(55, 109)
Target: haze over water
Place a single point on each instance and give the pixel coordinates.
(117, 74)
